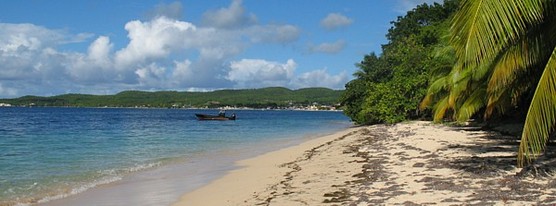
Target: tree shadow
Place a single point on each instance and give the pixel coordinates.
(498, 155)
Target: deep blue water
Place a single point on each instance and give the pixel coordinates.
(46, 152)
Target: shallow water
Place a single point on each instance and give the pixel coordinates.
(51, 153)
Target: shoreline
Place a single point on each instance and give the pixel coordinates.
(164, 185)
(409, 163)
(185, 108)
(253, 174)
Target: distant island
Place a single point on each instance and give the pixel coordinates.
(267, 98)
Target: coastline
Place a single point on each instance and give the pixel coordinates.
(162, 185)
(253, 175)
(153, 156)
(409, 163)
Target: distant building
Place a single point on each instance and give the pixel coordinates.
(5, 105)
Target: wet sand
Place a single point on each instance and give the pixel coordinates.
(414, 163)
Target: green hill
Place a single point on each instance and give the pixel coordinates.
(254, 98)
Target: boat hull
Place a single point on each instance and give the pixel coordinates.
(214, 117)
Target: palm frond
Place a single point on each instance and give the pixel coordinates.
(481, 72)
(482, 28)
(460, 85)
(440, 109)
(498, 101)
(435, 88)
(541, 117)
(472, 104)
(532, 49)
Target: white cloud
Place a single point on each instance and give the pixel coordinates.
(157, 39)
(320, 78)
(151, 76)
(162, 53)
(256, 73)
(26, 52)
(334, 21)
(99, 51)
(260, 73)
(96, 66)
(330, 48)
(182, 71)
(153, 40)
(15, 38)
(402, 6)
(232, 17)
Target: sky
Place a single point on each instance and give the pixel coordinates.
(107, 46)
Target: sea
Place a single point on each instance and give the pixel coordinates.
(106, 156)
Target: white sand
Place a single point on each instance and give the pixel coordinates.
(408, 163)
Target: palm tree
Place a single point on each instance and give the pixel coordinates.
(512, 42)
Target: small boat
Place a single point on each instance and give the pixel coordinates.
(215, 117)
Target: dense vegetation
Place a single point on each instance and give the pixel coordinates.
(505, 54)
(468, 59)
(255, 98)
(389, 87)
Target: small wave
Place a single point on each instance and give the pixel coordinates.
(37, 200)
(141, 167)
(81, 189)
(113, 175)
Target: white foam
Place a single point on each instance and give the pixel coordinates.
(143, 167)
(113, 175)
(81, 189)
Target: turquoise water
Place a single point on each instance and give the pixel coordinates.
(54, 152)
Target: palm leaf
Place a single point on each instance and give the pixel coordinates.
(460, 85)
(434, 90)
(532, 49)
(507, 69)
(482, 28)
(541, 116)
(498, 101)
(472, 104)
(440, 109)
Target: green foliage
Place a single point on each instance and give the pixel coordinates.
(255, 98)
(397, 99)
(353, 98)
(506, 62)
(388, 88)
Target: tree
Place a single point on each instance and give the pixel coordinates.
(389, 87)
(372, 70)
(510, 45)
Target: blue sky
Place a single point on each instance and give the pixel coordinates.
(107, 46)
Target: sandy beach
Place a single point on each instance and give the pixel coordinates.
(413, 163)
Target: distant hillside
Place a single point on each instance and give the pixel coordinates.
(254, 98)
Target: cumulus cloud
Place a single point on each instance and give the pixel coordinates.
(260, 73)
(99, 51)
(15, 38)
(151, 76)
(172, 10)
(320, 78)
(334, 21)
(182, 74)
(330, 48)
(233, 16)
(162, 53)
(254, 73)
(153, 39)
(26, 51)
